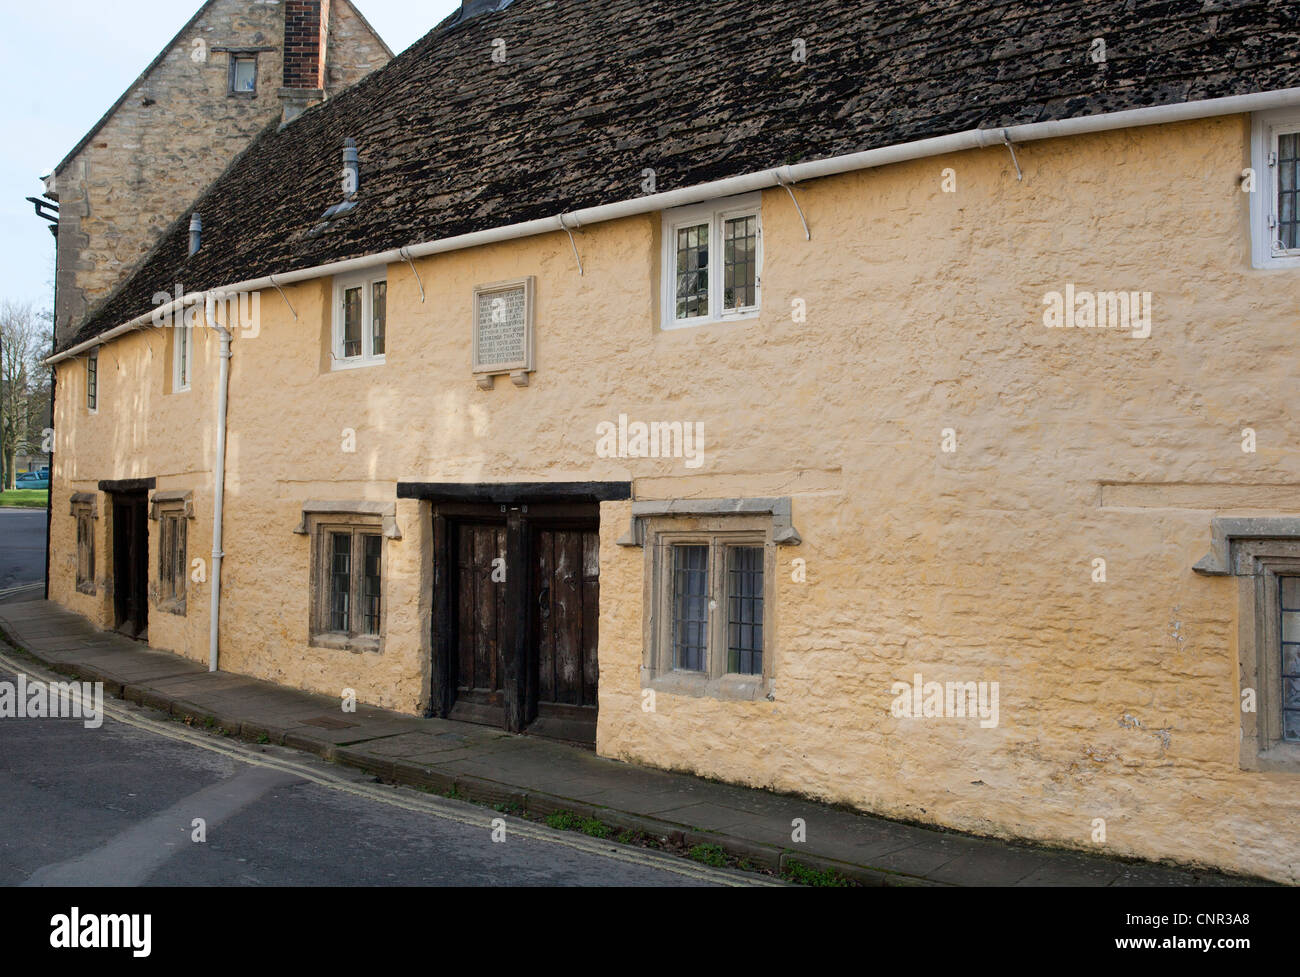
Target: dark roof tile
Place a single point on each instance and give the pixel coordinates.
(592, 93)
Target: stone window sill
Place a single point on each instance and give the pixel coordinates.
(358, 644)
(1280, 758)
(700, 685)
(176, 607)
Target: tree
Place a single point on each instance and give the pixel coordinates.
(24, 383)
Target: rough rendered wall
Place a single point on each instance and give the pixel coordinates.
(924, 312)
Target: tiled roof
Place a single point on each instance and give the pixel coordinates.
(592, 92)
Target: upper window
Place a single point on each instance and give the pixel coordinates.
(360, 320)
(182, 358)
(1275, 204)
(713, 262)
(243, 74)
(92, 380)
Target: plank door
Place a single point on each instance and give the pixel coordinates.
(479, 612)
(566, 599)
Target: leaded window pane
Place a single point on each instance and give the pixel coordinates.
(1290, 629)
(92, 380)
(740, 263)
(1288, 193)
(690, 607)
(352, 322)
(340, 581)
(693, 271)
(370, 591)
(378, 317)
(745, 610)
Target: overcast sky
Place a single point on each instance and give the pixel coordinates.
(58, 85)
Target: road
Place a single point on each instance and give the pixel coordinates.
(22, 553)
(116, 806)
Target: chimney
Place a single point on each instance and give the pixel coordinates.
(306, 47)
(196, 233)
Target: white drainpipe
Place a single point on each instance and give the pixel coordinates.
(219, 478)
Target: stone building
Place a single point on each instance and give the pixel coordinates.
(887, 403)
(219, 82)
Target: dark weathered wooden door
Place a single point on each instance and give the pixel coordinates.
(479, 613)
(563, 672)
(131, 564)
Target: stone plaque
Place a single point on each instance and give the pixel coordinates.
(503, 327)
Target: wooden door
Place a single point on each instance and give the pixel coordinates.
(131, 565)
(479, 681)
(563, 672)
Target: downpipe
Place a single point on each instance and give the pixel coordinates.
(219, 478)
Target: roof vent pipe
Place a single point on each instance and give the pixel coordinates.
(472, 8)
(351, 168)
(196, 233)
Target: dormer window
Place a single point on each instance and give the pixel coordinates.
(243, 74)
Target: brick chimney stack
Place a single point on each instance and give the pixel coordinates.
(306, 46)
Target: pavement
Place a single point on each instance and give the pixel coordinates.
(539, 777)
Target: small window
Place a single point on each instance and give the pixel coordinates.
(708, 631)
(712, 262)
(360, 321)
(243, 74)
(182, 358)
(84, 515)
(347, 585)
(172, 565)
(1275, 202)
(92, 381)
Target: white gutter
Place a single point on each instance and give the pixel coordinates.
(218, 477)
(784, 175)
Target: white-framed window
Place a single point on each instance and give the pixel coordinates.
(360, 319)
(1275, 204)
(712, 262)
(182, 358)
(92, 381)
(243, 74)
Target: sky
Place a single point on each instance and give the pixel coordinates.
(58, 85)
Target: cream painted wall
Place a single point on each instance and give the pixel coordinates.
(924, 312)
